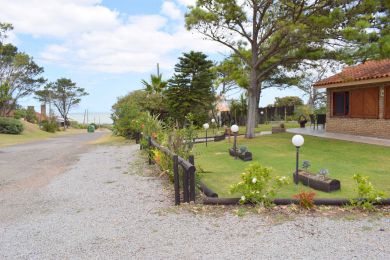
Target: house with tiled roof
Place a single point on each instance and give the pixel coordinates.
(359, 100)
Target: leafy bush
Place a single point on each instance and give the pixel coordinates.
(50, 125)
(258, 186)
(31, 116)
(10, 126)
(20, 113)
(367, 194)
(306, 199)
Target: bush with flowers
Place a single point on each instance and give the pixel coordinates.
(257, 186)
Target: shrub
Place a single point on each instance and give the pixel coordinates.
(20, 113)
(306, 199)
(31, 116)
(49, 125)
(367, 194)
(258, 186)
(10, 126)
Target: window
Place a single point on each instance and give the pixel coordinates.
(341, 103)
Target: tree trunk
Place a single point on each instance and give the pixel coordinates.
(252, 105)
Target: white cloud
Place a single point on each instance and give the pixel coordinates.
(171, 10)
(90, 36)
(187, 2)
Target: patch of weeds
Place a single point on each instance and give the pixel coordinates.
(240, 212)
(109, 182)
(367, 228)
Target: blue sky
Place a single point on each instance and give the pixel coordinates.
(107, 46)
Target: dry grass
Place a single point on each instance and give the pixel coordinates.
(33, 133)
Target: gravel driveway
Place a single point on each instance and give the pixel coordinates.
(107, 205)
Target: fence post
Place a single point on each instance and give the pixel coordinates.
(186, 197)
(150, 150)
(176, 179)
(140, 141)
(191, 174)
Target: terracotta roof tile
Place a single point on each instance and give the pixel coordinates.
(368, 70)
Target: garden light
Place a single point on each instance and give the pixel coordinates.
(235, 129)
(213, 124)
(297, 141)
(206, 126)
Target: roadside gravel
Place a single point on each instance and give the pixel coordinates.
(109, 206)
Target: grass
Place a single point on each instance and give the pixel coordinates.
(343, 159)
(32, 133)
(242, 129)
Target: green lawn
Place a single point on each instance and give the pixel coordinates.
(342, 159)
(242, 129)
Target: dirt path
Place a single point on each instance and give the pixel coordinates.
(107, 206)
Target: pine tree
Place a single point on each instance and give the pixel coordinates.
(190, 89)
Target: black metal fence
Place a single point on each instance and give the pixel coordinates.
(188, 169)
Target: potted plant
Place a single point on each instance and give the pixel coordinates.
(302, 120)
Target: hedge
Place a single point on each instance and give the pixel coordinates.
(10, 126)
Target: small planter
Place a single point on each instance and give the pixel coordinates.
(278, 129)
(318, 183)
(247, 156)
(302, 120)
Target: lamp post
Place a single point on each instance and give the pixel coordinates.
(206, 126)
(213, 125)
(262, 114)
(297, 141)
(235, 129)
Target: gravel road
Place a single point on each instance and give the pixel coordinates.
(102, 202)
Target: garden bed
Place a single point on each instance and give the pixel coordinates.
(276, 151)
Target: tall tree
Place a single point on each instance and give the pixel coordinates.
(278, 34)
(19, 74)
(288, 101)
(65, 95)
(190, 89)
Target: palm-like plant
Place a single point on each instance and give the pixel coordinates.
(156, 85)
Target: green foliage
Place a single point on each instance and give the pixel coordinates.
(65, 94)
(273, 37)
(30, 115)
(126, 119)
(19, 74)
(304, 110)
(10, 126)
(306, 199)
(20, 113)
(288, 101)
(156, 85)
(238, 109)
(50, 125)
(257, 186)
(190, 89)
(367, 193)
